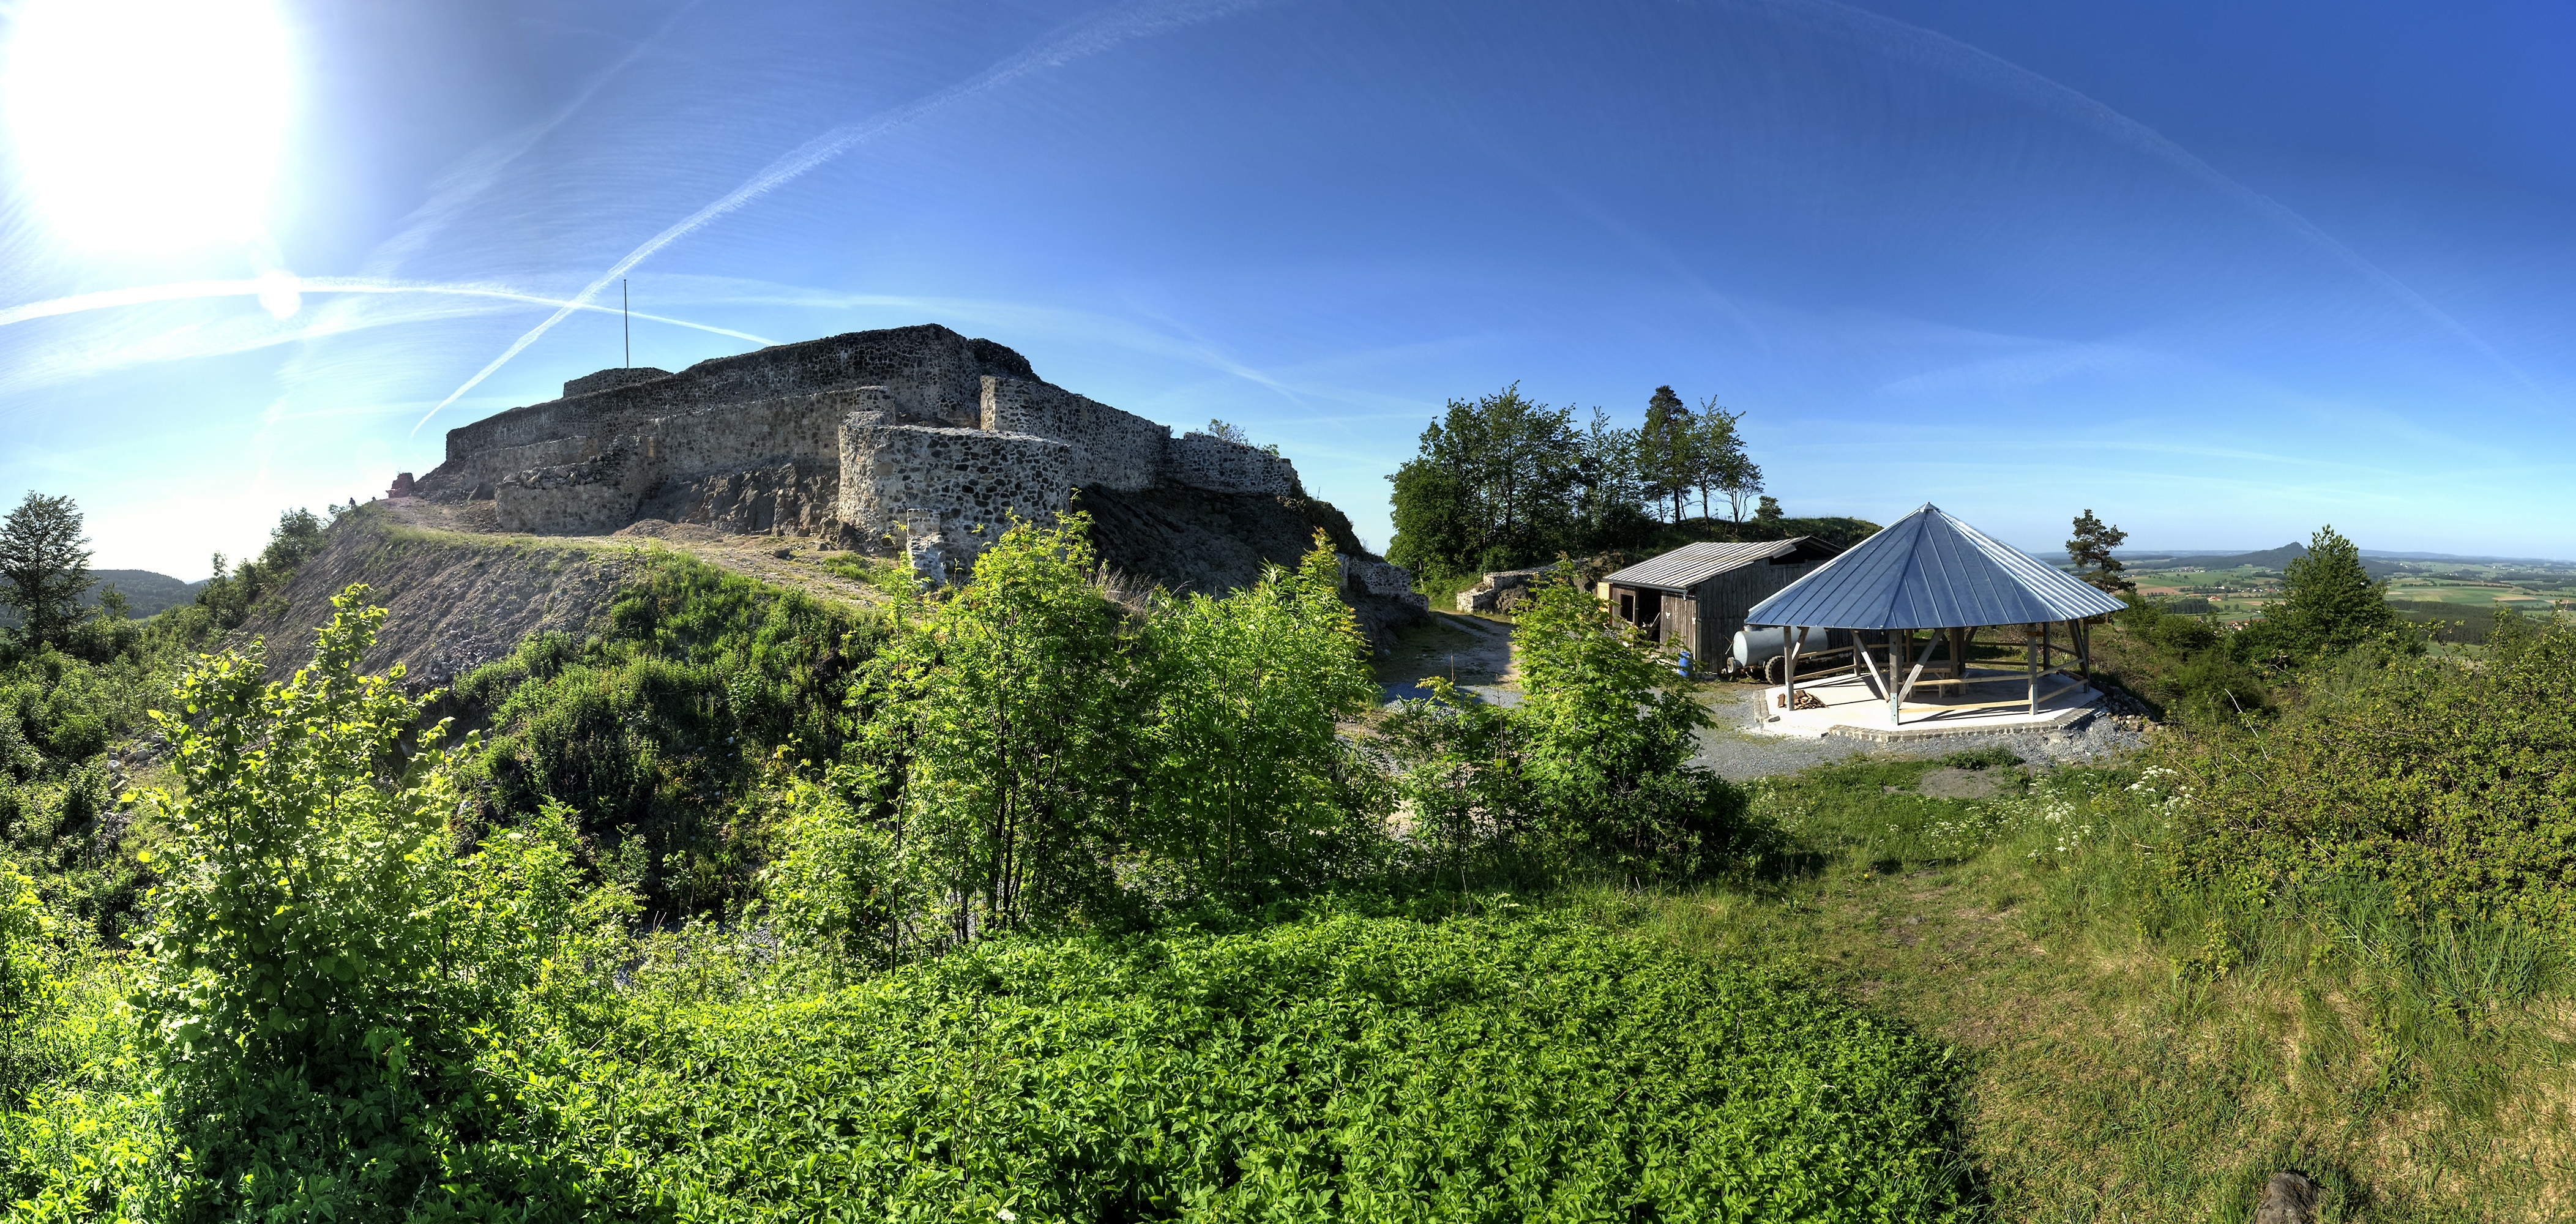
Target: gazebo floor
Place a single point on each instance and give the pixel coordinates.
(1989, 703)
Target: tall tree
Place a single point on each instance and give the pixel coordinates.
(2090, 552)
(2328, 602)
(1668, 451)
(1489, 488)
(44, 567)
(1609, 499)
(1720, 461)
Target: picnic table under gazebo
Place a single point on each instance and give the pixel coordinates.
(1930, 574)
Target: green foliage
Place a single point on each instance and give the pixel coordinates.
(43, 567)
(2328, 605)
(1248, 791)
(1341, 1069)
(59, 817)
(2509, 635)
(1719, 462)
(2183, 666)
(27, 986)
(2444, 783)
(1667, 457)
(322, 964)
(1002, 714)
(1490, 487)
(1609, 726)
(1591, 768)
(1036, 757)
(654, 729)
(2090, 552)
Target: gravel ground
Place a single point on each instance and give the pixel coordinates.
(1732, 752)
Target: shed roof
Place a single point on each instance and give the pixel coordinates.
(1691, 564)
(1931, 571)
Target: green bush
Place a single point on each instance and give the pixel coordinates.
(1591, 770)
(1248, 790)
(1338, 1069)
(27, 986)
(1034, 756)
(2446, 782)
(2189, 670)
(654, 729)
(323, 965)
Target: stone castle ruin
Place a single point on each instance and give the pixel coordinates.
(908, 440)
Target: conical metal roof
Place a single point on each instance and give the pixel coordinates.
(1931, 571)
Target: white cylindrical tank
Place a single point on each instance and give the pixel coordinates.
(1754, 647)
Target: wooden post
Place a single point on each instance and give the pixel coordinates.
(1898, 693)
(1959, 655)
(2030, 650)
(1789, 673)
(2084, 648)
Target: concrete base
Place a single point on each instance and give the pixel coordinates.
(1855, 709)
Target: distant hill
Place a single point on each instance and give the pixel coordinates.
(2432, 556)
(2270, 558)
(145, 592)
(2274, 559)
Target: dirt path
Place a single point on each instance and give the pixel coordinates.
(783, 560)
(1474, 651)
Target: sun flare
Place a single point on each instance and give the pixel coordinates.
(148, 125)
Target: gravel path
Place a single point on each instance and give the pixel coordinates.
(1730, 751)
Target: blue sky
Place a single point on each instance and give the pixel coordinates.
(2220, 273)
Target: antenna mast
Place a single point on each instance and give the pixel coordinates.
(626, 319)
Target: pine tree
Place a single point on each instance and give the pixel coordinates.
(2329, 603)
(2090, 552)
(43, 567)
(1666, 450)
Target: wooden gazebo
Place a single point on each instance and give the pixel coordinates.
(1929, 573)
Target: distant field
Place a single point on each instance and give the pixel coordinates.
(2472, 588)
(2479, 594)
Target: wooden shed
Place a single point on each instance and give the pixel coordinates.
(1695, 596)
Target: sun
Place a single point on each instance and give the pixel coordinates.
(148, 125)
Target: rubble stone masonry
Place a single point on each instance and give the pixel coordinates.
(875, 439)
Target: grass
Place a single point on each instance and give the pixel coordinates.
(2141, 1053)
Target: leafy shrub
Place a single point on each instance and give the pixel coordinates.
(1249, 792)
(2447, 783)
(2188, 669)
(654, 730)
(1342, 1069)
(27, 988)
(322, 964)
(1034, 755)
(1593, 764)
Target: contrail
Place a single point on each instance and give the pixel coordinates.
(181, 291)
(1090, 39)
(1943, 52)
(476, 173)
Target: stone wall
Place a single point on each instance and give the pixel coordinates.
(1120, 449)
(908, 480)
(614, 377)
(846, 437)
(936, 374)
(1203, 461)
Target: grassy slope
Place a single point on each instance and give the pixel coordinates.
(2136, 1060)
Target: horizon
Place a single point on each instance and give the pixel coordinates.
(2205, 272)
